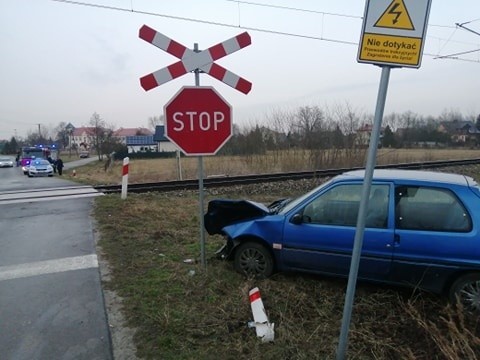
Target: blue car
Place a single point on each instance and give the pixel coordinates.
(421, 230)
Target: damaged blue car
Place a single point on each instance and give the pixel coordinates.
(421, 230)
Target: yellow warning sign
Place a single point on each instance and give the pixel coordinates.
(395, 17)
(388, 49)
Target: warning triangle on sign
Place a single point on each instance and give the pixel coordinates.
(395, 17)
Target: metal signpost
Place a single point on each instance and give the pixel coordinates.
(197, 119)
(392, 36)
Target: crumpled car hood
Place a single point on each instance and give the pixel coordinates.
(221, 213)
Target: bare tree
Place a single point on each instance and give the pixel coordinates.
(349, 120)
(99, 133)
(408, 121)
(450, 115)
(153, 121)
(40, 136)
(309, 122)
(61, 134)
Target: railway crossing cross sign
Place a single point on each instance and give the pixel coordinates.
(191, 60)
(393, 32)
(198, 120)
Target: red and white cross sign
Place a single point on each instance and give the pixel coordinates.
(191, 60)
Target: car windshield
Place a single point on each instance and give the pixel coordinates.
(293, 203)
(40, 162)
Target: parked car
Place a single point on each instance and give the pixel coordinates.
(422, 230)
(40, 167)
(6, 162)
(84, 154)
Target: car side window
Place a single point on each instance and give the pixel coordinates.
(430, 209)
(339, 206)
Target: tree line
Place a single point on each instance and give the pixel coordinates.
(308, 128)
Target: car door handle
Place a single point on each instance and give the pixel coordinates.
(396, 241)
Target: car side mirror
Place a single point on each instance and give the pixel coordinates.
(297, 219)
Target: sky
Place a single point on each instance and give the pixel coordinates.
(63, 61)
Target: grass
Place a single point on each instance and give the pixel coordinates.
(182, 311)
(293, 160)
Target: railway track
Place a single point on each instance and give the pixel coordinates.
(262, 178)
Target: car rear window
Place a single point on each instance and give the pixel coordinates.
(430, 209)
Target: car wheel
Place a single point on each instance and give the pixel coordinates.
(29, 175)
(253, 259)
(466, 290)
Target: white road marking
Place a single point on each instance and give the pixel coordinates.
(65, 197)
(48, 267)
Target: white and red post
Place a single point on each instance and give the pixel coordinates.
(125, 177)
(264, 328)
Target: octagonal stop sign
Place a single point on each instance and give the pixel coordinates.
(198, 120)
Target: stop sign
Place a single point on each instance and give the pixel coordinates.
(198, 120)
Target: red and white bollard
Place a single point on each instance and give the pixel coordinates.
(125, 178)
(263, 327)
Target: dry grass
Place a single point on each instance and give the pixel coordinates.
(294, 160)
(204, 316)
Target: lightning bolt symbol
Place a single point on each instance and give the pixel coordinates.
(396, 13)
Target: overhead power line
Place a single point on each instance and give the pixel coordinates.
(215, 23)
(453, 56)
(205, 22)
(315, 11)
(294, 9)
(465, 28)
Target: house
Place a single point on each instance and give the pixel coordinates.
(123, 133)
(461, 132)
(364, 133)
(81, 138)
(141, 143)
(164, 144)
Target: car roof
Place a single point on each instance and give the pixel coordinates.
(410, 175)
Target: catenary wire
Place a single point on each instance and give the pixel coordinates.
(274, 32)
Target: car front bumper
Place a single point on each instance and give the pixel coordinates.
(40, 173)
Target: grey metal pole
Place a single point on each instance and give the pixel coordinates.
(358, 241)
(179, 165)
(200, 184)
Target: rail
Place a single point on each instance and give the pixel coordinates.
(263, 178)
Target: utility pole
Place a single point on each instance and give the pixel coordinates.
(39, 132)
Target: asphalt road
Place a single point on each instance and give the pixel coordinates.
(51, 300)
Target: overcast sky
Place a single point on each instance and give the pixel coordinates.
(62, 61)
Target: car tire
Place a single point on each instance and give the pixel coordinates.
(253, 259)
(28, 174)
(466, 290)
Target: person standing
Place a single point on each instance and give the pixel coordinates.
(59, 166)
(53, 163)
